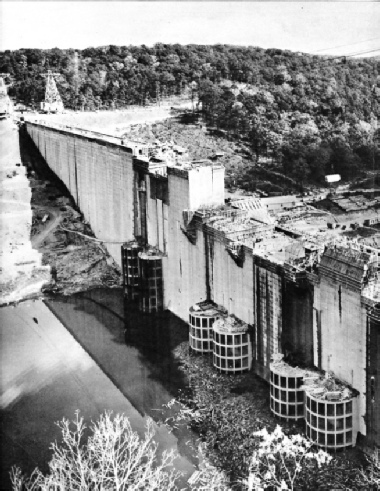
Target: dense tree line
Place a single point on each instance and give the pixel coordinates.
(312, 114)
(308, 141)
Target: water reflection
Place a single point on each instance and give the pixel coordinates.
(138, 357)
(108, 356)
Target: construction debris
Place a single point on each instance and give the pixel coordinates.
(327, 387)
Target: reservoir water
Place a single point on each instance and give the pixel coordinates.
(89, 352)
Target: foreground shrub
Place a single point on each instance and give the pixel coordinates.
(114, 457)
(280, 460)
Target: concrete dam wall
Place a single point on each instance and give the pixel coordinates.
(186, 248)
(99, 176)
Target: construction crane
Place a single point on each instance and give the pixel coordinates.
(6, 105)
(53, 102)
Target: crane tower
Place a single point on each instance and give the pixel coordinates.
(53, 102)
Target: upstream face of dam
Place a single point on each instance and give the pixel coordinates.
(165, 220)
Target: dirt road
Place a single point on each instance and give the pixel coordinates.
(51, 225)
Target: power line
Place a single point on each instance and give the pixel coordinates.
(344, 45)
(350, 55)
(363, 52)
(91, 238)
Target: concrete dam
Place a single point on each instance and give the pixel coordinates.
(303, 315)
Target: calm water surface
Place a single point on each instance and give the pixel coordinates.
(89, 352)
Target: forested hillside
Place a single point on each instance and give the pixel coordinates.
(311, 115)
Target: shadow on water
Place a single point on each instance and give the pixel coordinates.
(133, 349)
(92, 352)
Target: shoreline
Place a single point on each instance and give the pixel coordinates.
(215, 401)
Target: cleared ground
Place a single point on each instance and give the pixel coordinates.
(109, 122)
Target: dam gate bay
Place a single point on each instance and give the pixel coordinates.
(252, 291)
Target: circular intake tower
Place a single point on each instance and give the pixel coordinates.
(286, 391)
(201, 319)
(329, 416)
(232, 352)
(131, 276)
(151, 283)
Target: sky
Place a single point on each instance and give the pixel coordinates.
(333, 28)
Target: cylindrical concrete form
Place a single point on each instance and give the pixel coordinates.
(232, 351)
(201, 319)
(329, 423)
(286, 392)
(151, 283)
(130, 263)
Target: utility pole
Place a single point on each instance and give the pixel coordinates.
(158, 97)
(76, 76)
(373, 130)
